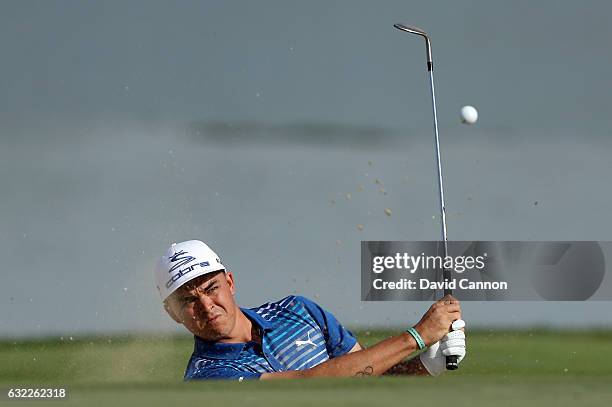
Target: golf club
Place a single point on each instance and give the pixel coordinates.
(451, 361)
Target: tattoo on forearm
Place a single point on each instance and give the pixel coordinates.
(365, 372)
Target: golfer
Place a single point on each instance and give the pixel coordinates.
(290, 338)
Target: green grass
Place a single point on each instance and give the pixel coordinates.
(534, 367)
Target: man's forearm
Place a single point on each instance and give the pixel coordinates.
(373, 361)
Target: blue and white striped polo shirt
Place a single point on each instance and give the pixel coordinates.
(296, 333)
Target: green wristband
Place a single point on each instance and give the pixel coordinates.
(420, 342)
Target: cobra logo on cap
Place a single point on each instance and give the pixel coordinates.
(181, 260)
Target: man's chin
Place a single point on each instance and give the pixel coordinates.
(211, 333)
(206, 335)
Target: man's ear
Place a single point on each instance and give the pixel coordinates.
(171, 313)
(229, 277)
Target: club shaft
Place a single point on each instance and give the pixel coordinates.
(446, 272)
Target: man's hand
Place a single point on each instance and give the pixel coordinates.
(438, 319)
(434, 358)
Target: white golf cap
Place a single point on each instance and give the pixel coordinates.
(183, 262)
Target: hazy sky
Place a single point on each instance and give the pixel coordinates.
(544, 63)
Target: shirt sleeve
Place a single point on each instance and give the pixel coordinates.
(338, 339)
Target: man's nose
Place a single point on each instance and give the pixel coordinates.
(206, 303)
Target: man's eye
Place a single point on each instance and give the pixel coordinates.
(211, 289)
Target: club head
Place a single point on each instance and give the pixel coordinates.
(411, 30)
(422, 33)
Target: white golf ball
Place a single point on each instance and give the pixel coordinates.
(469, 115)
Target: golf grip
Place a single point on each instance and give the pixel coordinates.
(451, 361)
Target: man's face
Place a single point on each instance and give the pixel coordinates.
(206, 306)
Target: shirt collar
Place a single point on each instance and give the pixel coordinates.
(255, 317)
(216, 350)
